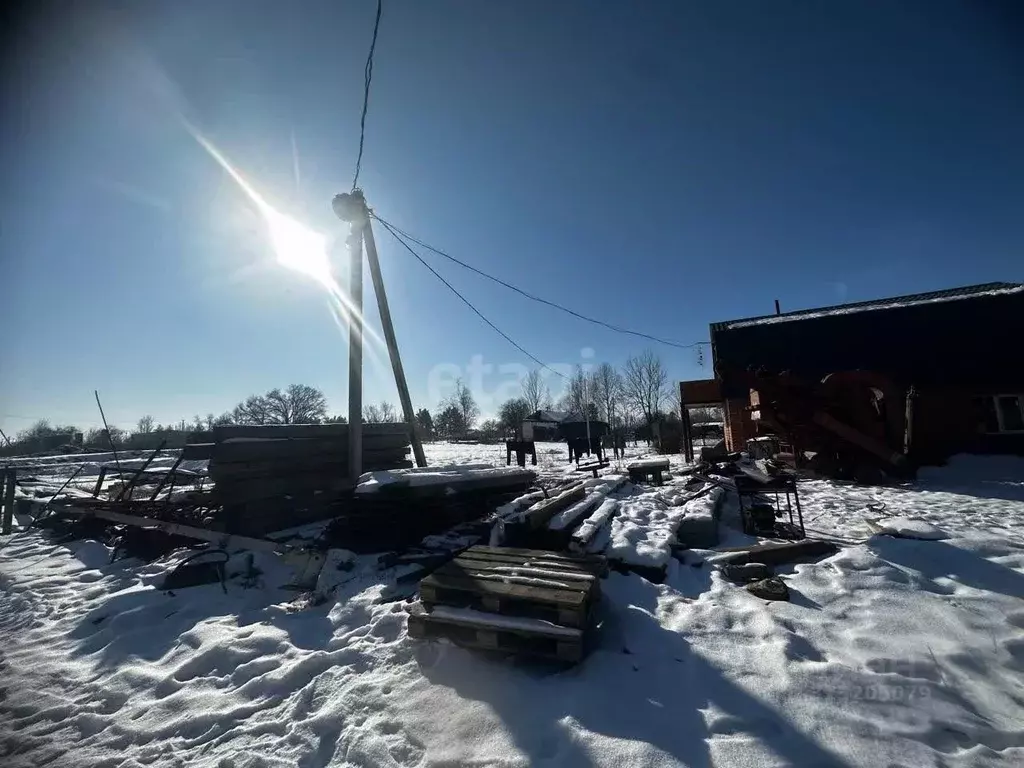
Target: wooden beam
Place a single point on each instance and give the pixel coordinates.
(541, 513)
(355, 350)
(127, 488)
(293, 431)
(284, 450)
(197, 451)
(389, 336)
(10, 481)
(216, 537)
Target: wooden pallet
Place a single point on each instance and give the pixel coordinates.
(523, 583)
(472, 629)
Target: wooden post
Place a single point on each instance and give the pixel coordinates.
(389, 336)
(355, 352)
(126, 490)
(8, 516)
(908, 430)
(684, 417)
(687, 435)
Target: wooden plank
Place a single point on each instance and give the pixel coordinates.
(192, 532)
(197, 451)
(460, 485)
(648, 464)
(596, 565)
(530, 553)
(422, 625)
(775, 554)
(444, 579)
(271, 450)
(268, 487)
(283, 431)
(301, 465)
(541, 513)
(547, 570)
(477, 561)
(562, 615)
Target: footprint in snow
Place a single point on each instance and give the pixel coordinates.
(388, 628)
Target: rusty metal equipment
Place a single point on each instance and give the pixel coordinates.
(854, 422)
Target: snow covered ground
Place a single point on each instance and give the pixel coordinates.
(892, 653)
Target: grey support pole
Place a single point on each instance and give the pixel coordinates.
(392, 342)
(355, 353)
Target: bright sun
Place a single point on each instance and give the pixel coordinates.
(298, 247)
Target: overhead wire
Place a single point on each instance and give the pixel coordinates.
(467, 302)
(367, 79)
(534, 297)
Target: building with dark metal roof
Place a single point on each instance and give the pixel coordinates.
(959, 350)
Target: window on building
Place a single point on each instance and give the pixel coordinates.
(999, 413)
(1010, 417)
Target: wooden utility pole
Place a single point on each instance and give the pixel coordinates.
(355, 352)
(352, 208)
(392, 342)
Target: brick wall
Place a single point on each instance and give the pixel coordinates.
(738, 424)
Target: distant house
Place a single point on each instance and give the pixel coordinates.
(551, 426)
(957, 350)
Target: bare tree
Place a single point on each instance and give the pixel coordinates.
(380, 414)
(462, 399)
(607, 384)
(706, 415)
(145, 425)
(645, 384)
(252, 410)
(299, 404)
(536, 392)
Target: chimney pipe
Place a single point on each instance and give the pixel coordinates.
(778, 310)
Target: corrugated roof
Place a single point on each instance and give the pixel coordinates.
(951, 294)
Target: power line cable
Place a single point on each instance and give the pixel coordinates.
(367, 77)
(534, 297)
(468, 303)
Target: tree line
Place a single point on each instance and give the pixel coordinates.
(631, 398)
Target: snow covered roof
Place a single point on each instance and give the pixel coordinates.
(555, 417)
(952, 294)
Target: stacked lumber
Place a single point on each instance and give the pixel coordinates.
(519, 601)
(262, 462)
(398, 509)
(273, 477)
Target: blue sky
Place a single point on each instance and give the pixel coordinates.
(659, 165)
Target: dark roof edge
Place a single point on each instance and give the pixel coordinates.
(964, 292)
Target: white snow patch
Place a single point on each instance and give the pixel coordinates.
(910, 528)
(892, 652)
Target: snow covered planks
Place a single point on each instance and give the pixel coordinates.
(699, 528)
(642, 535)
(486, 631)
(584, 536)
(398, 514)
(653, 467)
(541, 513)
(520, 583)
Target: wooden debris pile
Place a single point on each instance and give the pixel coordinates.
(518, 601)
(396, 510)
(269, 478)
